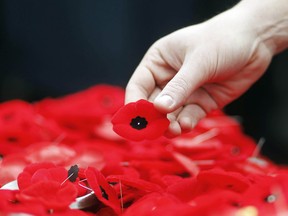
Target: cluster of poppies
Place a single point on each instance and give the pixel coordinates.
(89, 144)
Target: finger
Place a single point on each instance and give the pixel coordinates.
(140, 85)
(154, 94)
(174, 128)
(152, 71)
(191, 75)
(203, 98)
(190, 116)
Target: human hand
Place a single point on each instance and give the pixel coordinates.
(200, 68)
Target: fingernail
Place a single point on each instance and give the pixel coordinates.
(165, 101)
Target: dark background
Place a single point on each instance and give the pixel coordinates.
(53, 48)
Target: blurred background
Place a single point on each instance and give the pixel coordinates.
(53, 48)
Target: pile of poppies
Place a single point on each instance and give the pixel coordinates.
(90, 144)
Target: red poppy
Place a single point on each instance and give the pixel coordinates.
(35, 176)
(182, 188)
(268, 194)
(158, 204)
(34, 173)
(221, 179)
(10, 205)
(139, 121)
(18, 126)
(103, 191)
(217, 202)
(51, 194)
(7, 198)
(86, 106)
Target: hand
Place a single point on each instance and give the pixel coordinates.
(200, 68)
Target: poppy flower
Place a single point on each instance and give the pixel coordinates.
(51, 194)
(36, 173)
(158, 204)
(10, 205)
(139, 121)
(102, 189)
(18, 127)
(221, 179)
(182, 188)
(268, 194)
(218, 202)
(78, 113)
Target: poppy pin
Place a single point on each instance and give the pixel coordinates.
(140, 121)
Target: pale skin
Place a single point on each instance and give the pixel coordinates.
(203, 67)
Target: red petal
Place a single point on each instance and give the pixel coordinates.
(136, 183)
(217, 178)
(99, 185)
(155, 204)
(51, 194)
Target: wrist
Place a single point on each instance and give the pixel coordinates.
(268, 19)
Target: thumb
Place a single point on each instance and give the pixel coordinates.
(191, 75)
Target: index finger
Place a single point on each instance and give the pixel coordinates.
(140, 85)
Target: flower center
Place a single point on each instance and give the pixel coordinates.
(138, 123)
(104, 194)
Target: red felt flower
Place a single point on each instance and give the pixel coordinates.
(217, 178)
(10, 205)
(155, 204)
(34, 173)
(183, 188)
(51, 194)
(268, 194)
(52, 186)
(103, 191)
(139, 121)
(18, 126)
(79, 112)
(218, 202)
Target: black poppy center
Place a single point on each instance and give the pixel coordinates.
(138, 123)
(104, 194)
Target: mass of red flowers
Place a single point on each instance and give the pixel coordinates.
(89, 154)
